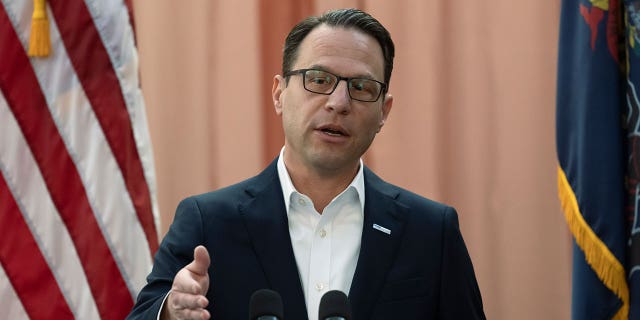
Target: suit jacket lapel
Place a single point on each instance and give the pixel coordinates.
(378, 248)
(266, 221)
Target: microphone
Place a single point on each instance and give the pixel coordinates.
(265, 304)
(334, 305)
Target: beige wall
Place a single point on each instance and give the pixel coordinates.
(472, 123)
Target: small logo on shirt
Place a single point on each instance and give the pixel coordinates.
(381, 228)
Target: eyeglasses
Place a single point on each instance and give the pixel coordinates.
(323, 82)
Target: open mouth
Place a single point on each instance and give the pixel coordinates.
(332, 132)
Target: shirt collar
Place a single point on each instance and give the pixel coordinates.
(288, 188)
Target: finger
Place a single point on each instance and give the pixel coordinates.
(201, 261)
(185, 301)
(200, 314)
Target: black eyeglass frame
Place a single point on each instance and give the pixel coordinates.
(383, 86)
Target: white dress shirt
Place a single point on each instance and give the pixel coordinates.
(326, 246)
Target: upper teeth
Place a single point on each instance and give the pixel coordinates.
(331, 131)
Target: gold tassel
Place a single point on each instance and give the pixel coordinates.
(607, 267)
(39, 42)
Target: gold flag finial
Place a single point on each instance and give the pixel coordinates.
(39, 42)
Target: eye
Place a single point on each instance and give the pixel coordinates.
(364, 85)
(317, 78)
(320, 80)
(357, 85)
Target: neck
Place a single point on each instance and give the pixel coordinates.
(321, 187)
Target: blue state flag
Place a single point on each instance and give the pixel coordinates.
(598, 126)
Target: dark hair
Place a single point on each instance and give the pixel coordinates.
(346, 18)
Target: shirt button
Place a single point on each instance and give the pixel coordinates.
(323, 233)
(319, 286)
(301, 201)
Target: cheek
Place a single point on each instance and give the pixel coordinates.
(287, 120)
(292, 121)
(373, 121)
(371, 126)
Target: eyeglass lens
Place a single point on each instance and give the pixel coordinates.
(323, 82)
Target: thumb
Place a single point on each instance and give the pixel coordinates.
(201, 261)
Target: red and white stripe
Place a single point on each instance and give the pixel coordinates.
(78, 214)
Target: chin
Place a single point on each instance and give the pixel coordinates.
(331, 163)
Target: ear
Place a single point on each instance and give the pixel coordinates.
(279, 84)
(386, 108)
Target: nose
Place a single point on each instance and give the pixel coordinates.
(339, 100)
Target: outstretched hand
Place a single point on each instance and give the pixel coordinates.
(187, 299)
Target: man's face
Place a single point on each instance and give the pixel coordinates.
(329, 133)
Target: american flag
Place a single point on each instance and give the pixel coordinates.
(78, 213)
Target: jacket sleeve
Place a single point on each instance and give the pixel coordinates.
(175, 252)
(460, 296)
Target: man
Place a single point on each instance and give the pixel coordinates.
(316, 219)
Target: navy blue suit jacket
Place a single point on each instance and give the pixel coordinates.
(421, 270)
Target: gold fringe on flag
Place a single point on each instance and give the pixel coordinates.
(609, 270)
(39, 42)
(602, 4)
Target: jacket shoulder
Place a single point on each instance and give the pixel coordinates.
(406, 198)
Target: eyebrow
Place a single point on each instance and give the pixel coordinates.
(358, 76)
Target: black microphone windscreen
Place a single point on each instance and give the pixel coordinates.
(334, 304)
(265, 303)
